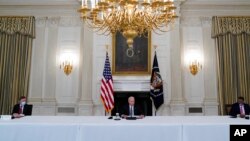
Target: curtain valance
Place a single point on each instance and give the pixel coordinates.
(233, 25)
(23, 25)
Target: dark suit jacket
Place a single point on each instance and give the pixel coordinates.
(235, 110)
(137, 110)
(27, 110)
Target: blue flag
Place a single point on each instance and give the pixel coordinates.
(156, 89)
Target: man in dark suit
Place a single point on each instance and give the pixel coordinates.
(131, 110)
(240, 108)
(22, 108)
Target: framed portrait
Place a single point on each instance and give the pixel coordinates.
(131, 61)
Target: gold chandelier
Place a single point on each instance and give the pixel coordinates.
(130, 17)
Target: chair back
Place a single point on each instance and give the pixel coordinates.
(228, 108)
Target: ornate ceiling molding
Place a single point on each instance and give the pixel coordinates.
(196, 21)
(70, 21)
(206, 21)
(41, 21)
(190, 21)
(55, 21)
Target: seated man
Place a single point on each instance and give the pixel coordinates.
(131, 110)
(21, 109)
(240, 108)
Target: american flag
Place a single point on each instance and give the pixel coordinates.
(107, 94)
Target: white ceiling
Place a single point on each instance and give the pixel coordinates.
(69, 7)
(76, 3)
(39, 2)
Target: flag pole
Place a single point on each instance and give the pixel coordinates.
(155, 47)
(107, 48)
(153, 106)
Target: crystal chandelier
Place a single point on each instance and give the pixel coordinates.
(130, 17)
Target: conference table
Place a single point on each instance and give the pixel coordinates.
(100, 128)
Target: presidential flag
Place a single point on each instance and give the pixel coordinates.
(107, 94)
(156, 89)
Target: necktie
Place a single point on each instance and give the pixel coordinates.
(20, 110)
(130, 111)
(241, 110)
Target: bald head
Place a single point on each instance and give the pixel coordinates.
(131, 100)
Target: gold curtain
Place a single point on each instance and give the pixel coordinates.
(232, 36)
(16, 35)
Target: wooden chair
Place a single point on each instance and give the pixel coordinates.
(228, 108)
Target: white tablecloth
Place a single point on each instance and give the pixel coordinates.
(94, 128)
(209, 128)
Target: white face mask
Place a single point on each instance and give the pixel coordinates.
(23, 103)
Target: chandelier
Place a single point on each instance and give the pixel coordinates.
(130, 17)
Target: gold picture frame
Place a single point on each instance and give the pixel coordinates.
(126, 61)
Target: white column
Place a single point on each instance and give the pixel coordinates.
(177, 104)
(43, 75)
(49, 70)
(37, 65)
(85, 105)
(51, 33)
(163, 56)
(210, 100)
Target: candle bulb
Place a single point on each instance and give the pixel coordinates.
(92, 3)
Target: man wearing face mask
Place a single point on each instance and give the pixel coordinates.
(131, 110)
(21, 109)
(240, 108)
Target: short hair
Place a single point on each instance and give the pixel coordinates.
(131, 97)
(241, 97)
(22, 97)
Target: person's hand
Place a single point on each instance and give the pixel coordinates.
(124, 116)
(22, 115)
(242, 115)
(16, 115)
(141, 117)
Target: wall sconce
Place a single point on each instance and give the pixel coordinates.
(194, 67)
(66, 62)
(194, 61)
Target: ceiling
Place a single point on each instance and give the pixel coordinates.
(76, 2)
(39, 2)
(69, 7)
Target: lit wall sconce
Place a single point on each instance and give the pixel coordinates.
(194, 67)
(66, 62)
(194, 61)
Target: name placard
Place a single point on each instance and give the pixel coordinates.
(5, 117)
